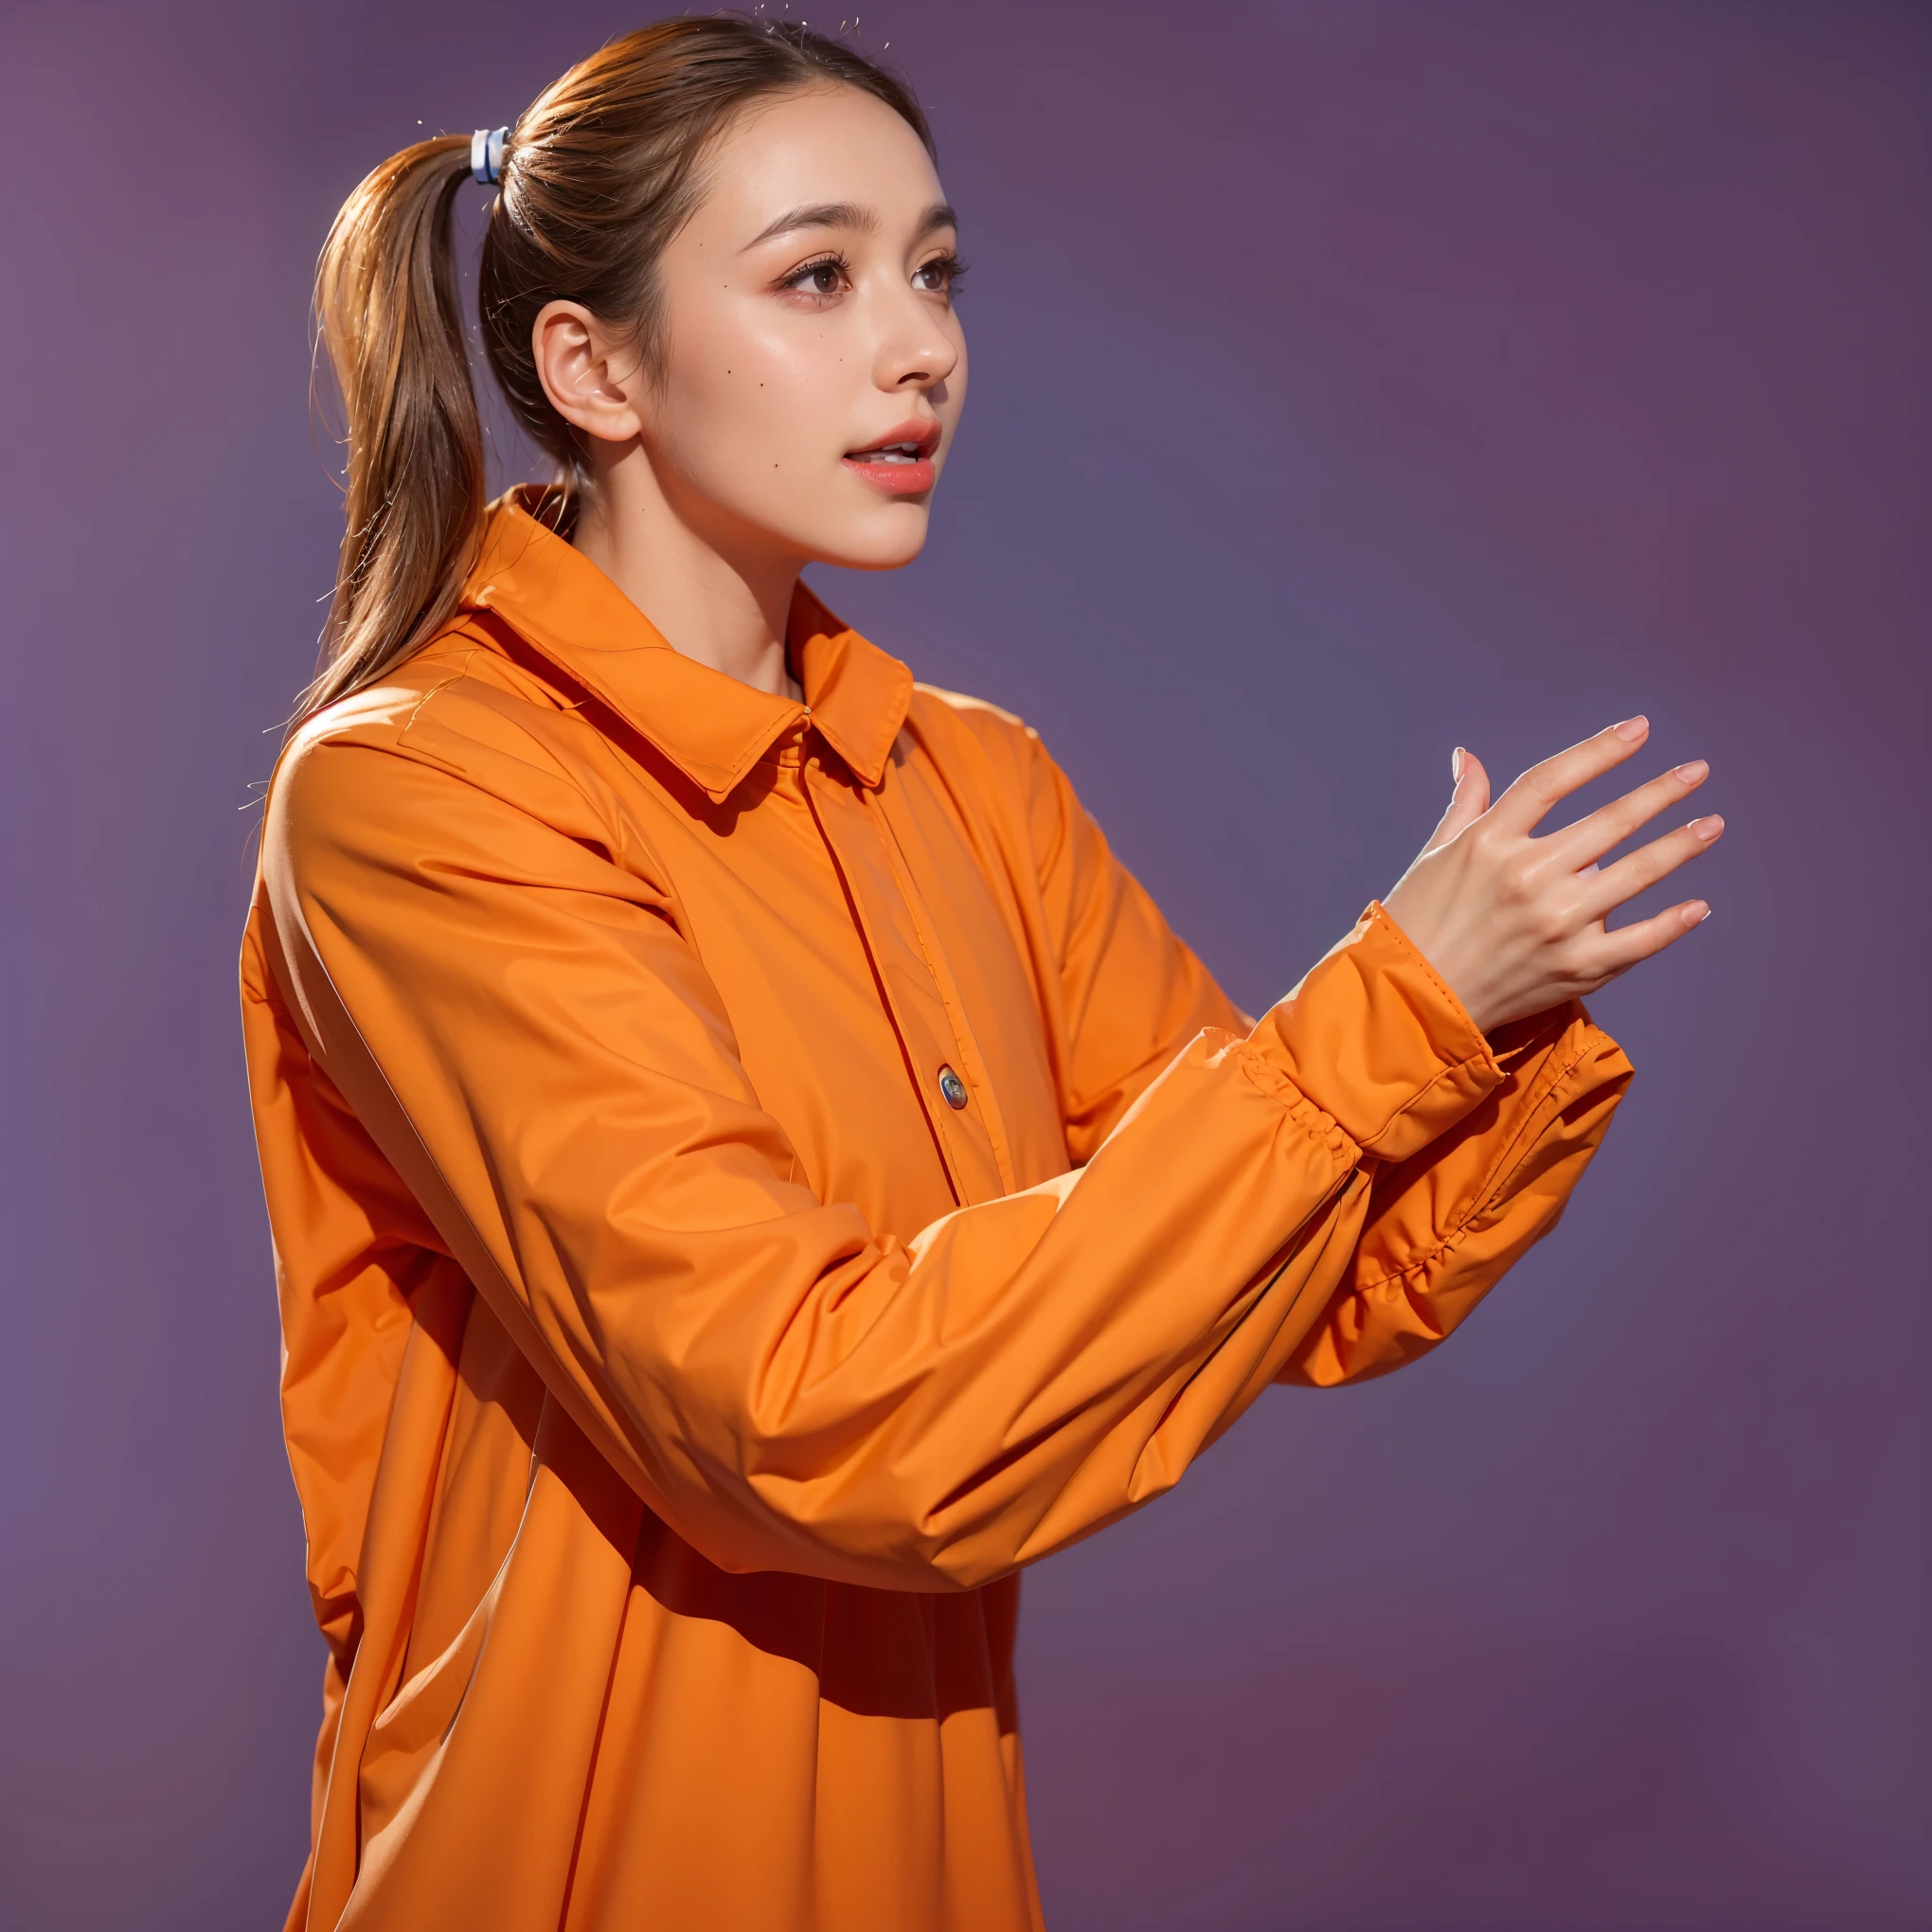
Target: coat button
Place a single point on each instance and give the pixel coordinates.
(953, 1088)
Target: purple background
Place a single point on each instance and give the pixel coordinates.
(1349, 381)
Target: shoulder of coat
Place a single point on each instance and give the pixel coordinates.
(457, 712)
(941, 716)
(932, 698)
(452, 686)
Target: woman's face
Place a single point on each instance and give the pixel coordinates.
(812, 365)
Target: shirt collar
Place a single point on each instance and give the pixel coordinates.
(712, 727)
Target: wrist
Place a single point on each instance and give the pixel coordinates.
(1452, 965)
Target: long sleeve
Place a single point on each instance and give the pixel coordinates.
(523, 1033)
(1472, 1175)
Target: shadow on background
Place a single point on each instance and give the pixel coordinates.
(1349, 381)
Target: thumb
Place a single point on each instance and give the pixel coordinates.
(1467, 803)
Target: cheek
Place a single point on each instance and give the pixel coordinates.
(749, 405)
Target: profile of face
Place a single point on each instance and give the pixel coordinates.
(813, 366)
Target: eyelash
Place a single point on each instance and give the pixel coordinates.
(950, 266)
(953, 268)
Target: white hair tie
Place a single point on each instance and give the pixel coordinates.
(486, 155)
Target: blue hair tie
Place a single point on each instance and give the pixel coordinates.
(486, 155)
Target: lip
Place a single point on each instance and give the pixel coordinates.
(902, 478)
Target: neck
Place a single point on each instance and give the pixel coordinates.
(714, 593)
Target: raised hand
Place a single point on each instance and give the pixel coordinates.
(1514, 924)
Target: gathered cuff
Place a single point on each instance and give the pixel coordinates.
(1375, 1039)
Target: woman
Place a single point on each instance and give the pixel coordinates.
(749, 1169)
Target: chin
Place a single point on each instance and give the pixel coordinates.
(889, 545)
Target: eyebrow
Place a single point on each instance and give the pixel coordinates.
(848, 215)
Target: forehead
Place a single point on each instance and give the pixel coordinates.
(816, 145)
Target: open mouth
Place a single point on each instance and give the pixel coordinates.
(902, 462)
(887, 453)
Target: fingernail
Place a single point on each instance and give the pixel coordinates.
(1455, 767)
(1633, 728)
(1691, 773)
(1696, 913)
(1705, 827)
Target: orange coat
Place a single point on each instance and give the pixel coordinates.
(747, 1177)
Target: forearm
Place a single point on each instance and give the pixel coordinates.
(790, 1391)
(1030, 1369)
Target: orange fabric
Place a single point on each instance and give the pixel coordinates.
(674, 1380)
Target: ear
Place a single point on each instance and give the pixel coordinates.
(594, 380)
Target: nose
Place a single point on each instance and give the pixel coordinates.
(916, 351)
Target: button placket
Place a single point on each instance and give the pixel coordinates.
(905, 874)
(915, 1001)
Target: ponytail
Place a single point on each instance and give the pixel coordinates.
(601, 171)
(388, 314)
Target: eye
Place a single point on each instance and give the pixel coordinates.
(941, 275)
(824, 278)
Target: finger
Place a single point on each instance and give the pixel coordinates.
(1476, 776)
(1467, 802)
(1644, 867)
(1591, 837)
(1523, 805)
(1630, 944)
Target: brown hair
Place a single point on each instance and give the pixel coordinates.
(597, 174)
